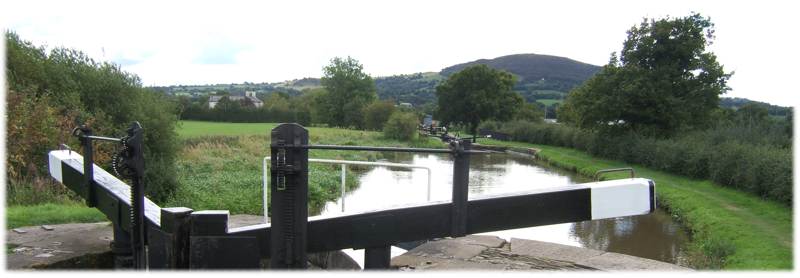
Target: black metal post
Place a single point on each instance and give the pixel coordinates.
(133, 141)
(377, 257)
(460, 186)
(289, 197)
(121, 247)
(88, 165)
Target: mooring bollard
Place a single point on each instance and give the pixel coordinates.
(289, 197)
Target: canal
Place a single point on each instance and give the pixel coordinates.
(654, 236)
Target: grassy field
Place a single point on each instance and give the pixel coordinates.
(192, 129)
(220, 165)
(730, 228)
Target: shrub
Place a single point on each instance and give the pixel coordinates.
(377, 113)
(401, 126)
(762, 166)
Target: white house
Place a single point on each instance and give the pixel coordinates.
(249, 97)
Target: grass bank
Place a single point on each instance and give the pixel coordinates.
(21, 216)
(730, 229)
(43, 201)
(220, 164)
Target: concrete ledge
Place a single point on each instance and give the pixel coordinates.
(552, 250)
(458, 248)
(42, 248)
(588, 257)
(493, 253)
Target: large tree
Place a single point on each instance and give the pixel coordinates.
(475, 94)
(664, 81)
(349, 89)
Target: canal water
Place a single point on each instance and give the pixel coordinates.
(654, 236)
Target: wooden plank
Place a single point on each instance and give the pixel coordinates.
(67, 167)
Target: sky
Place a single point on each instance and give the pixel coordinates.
(195, 42)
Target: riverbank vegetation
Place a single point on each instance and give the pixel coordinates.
(752, 158)
(730, 229)
(220, 165)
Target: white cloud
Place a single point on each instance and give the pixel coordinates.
(190, 42)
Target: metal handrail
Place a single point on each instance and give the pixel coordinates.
(265, 179)
(597, 174)
(381, 149)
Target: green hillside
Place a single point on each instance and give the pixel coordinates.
(537, 72)
(538, 77)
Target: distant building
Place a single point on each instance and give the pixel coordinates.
(405, 105)
(249, 98)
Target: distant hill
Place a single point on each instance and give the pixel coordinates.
(544, 72)
(538, 77)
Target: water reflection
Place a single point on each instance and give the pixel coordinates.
(652, 236)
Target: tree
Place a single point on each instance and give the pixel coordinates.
(312, 101)
(664, 81)
(377, 113)
(349, 89)
(530, 112)
(475, 94)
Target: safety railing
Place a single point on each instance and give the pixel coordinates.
(343, 163)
